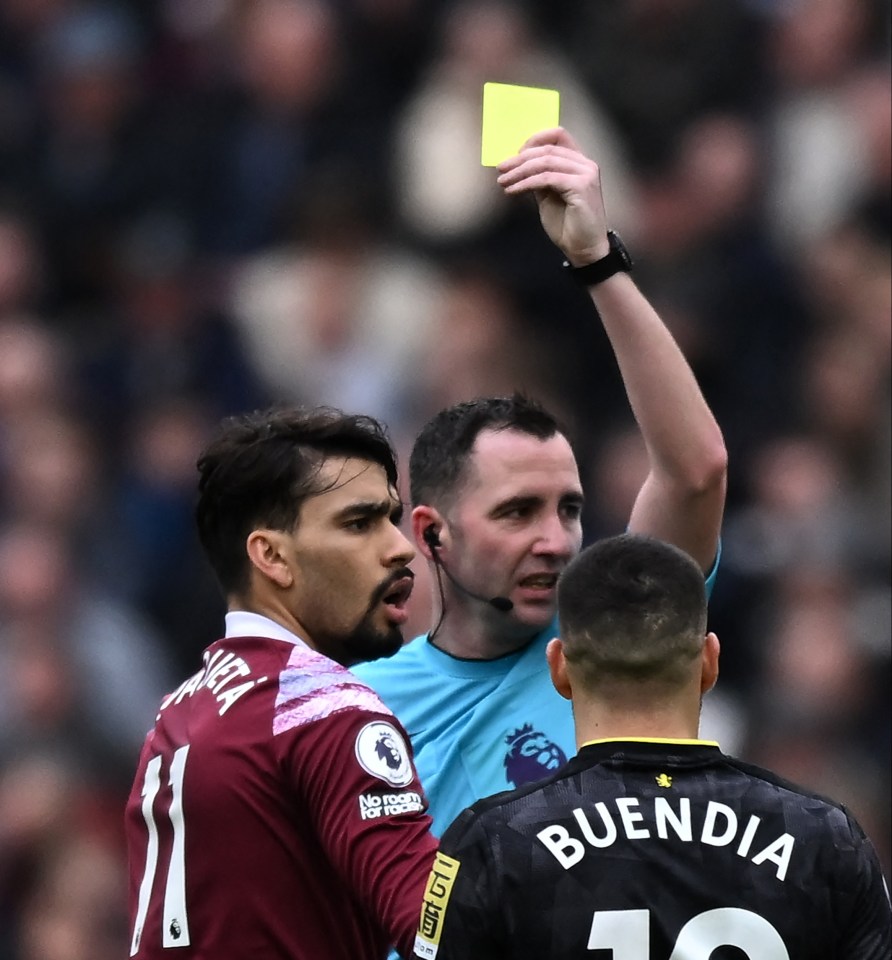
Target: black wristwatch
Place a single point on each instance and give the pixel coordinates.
(617, 261)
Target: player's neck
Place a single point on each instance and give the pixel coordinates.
(599, 721)
(276, 612)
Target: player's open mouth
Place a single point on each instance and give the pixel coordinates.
(396, 599)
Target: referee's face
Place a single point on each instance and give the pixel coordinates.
(349, 560)
(517, 524)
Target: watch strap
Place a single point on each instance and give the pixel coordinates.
(617, 261)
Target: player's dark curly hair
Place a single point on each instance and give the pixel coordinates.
(440, 454)
(632, 609)
(262, 466)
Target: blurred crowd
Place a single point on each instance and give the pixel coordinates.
(211, 205)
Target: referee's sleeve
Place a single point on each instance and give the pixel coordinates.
(460, 916)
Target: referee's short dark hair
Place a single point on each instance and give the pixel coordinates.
(439, 460)
(632, 610)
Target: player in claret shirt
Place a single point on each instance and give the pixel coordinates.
(276, 812)
(650, 844)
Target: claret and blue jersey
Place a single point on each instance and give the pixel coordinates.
(275, 811)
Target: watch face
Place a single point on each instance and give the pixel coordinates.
(619, 248)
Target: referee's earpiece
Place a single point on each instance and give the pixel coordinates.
(431, 537)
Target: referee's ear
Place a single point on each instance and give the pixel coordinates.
(709, 670)
(557, 666)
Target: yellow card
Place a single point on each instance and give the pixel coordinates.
(511, 115)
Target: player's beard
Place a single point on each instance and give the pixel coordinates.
(368, 642)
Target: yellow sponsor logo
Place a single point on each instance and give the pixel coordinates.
(664, 780)
(433, 907)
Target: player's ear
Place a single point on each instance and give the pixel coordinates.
(266, 551)
(557, 667)
(709, 670)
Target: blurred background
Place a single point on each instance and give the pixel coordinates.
(210, 205)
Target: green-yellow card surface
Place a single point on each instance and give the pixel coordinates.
(511, 115)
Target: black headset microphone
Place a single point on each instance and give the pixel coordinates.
(432, 539)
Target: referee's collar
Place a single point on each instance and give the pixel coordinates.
(242, 623)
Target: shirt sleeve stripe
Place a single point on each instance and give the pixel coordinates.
(312, 687)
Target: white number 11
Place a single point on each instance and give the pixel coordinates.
(627, 934)
(175, 923)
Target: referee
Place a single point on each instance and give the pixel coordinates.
(650, 844)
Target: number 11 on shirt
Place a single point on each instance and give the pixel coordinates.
(175, 922)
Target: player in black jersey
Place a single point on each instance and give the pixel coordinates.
(650, 844)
